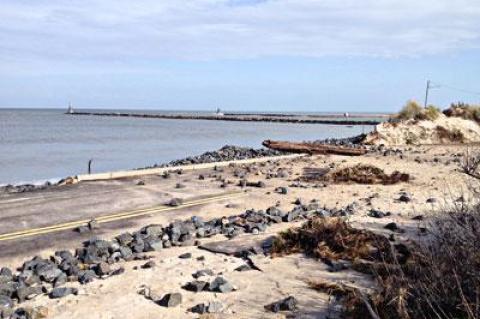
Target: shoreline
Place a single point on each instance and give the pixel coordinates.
(267, 188)
(227, 153)
(273, 118)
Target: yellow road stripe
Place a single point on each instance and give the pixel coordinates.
(115, 217)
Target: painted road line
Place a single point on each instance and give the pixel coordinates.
(117, 216)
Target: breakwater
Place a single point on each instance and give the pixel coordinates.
(300, 119)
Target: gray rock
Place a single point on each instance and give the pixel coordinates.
(86, 276)
(5, 302)
(102, 269)
(203, 272)
(220, 284)
(214, 307)
(27, 293)
(185, 256)
(175, 202)
(149, 264)
(48, 272)
(287, 304)
(62, 292)
(196, 286)
(378, 214)
(171, 300)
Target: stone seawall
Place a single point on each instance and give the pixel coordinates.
(237, 118)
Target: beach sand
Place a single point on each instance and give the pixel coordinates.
(434, 171)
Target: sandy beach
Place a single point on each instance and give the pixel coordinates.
(435, 177)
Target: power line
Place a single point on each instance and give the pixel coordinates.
(439, 85)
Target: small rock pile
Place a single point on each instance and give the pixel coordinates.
(226, 153)
(354, 141)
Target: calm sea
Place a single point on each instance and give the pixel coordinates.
(39, 145)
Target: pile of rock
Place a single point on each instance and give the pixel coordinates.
(354, 141)
(226, 153)
(95, 258)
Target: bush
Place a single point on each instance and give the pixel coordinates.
(436, 277)
(414, 111)
(431, 113)
(464, 110)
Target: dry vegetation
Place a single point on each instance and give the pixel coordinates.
(463, 110)
(414, 111)
(367, 174)
(454, 135)
(438, 277)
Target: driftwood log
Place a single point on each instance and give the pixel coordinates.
(310, 148)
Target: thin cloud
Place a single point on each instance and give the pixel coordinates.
(41, 31)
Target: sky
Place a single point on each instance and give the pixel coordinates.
(244, 55)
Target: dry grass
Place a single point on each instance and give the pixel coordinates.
(435, 278)
(332, 238)
(414, 111)
(367, 174)
(470, 164)
(463, 110)
(447, 135)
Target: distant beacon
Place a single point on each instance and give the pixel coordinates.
(219, 112)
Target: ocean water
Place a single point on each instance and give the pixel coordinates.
(45, 144)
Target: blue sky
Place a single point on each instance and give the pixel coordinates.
(285, 55)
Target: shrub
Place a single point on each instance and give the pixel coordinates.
(414, 111)
(411, 110)
(464, 110)
(452, 135)
(436, 277)
(431, 112)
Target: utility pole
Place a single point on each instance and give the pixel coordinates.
(426, 93)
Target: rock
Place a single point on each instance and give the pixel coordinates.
(196, 286)
(30, 313)
(154, 246)
(393, 227)
(124, 239)
(203, 272)
(141, 183)
(48, 272)
(62, 292)
(117, 271)
(200, 308)
(185, 256)
(86, 276)
(149, 264)
(404, 198)
(174, 202)
(171, 300)
(418, 217)
(179, 186)
(243, 267)
(378, 214)
(287, 304)
(82, 229)
(102, 269)
(214, 307)
(28, 292)
(282, 190)
(93, 224)
(220, 284)
(211, 307)
(126, 253)
(5, 302)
